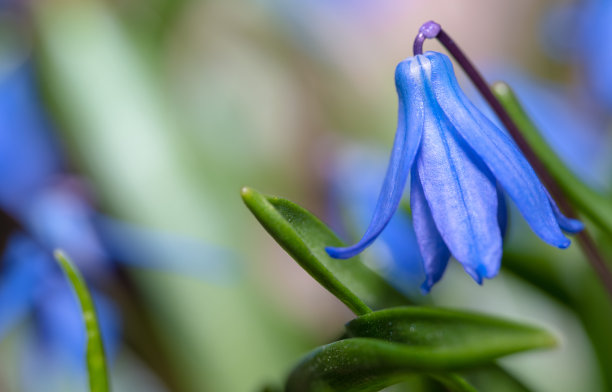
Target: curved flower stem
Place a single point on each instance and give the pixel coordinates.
(431, 30)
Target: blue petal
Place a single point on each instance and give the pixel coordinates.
(498, 151)
(20, 281)
(502, 211)
(354, 179)
(568, 224)
(409, 84)
(28, 153)
(434, 251)
(461, 194)
(61, 327)
(137, 246)
(60, 217)
(596, 55)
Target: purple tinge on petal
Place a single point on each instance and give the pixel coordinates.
(461, 194)
(434, 251)
(498, 151)
(409, 84)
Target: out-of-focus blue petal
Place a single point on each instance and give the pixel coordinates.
(558, 32)
(61, 327)
(136, 246)
(354, 178)
(461, 195)
(25, 268)
(595, 39)
(434, 251)
(44, 369)
(61, 219)
(28, 155)
(582, 32)
(410, 84)
(498, 152)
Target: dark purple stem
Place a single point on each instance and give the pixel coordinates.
(433, 30)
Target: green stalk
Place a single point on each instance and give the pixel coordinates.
(96, 360)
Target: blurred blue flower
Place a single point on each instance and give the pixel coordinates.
(456, 158)
(595, 38)
(41, 199)
(46, 209)
(582, 32)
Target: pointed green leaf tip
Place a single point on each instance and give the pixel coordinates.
(388, 346)
(305, 237)
(96, 360)
(457, 336)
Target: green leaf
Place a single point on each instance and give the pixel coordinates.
(449, 336)
(596, 207)
(454, 383)
(305, 237)
(493, 378)
(96, 361)
(366, 364)
(354, 365)
(388, 346)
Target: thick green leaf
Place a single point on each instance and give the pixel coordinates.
(390, 345)
(596, 207)
(305, 237)
(366, 364)
(450, 336)
(96, 361)
(493, 378)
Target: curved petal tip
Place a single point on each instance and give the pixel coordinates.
(564, 244)
(571, 225)
(480, 273)
(426, 286)
(344, 253)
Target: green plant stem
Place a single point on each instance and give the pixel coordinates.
(96, 360)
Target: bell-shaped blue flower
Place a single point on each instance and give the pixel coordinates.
(458, 161)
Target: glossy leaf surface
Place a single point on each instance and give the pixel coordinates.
(449, 336)
(390, 345)
(305, 237)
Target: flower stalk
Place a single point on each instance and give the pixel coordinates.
(431, 30)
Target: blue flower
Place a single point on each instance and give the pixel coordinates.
(50, 208)
(354, 179)
(458, 161)
(581, 32)
(595, 35)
